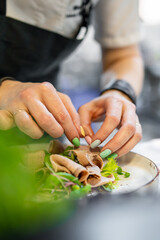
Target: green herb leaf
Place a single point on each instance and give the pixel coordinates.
(111, 165)
(107, 188)
(69, 177)
(68, 148)
(110, 186)
(127, 174)
(52, 182)
(47, 161)
(68, 153)
(110, 168)
(119, 171)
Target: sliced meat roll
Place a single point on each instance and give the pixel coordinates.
(58, 168)
(94, 175)
(61, 163)
(103, 181)
(94, 170)
(87, 148)
(95, 179)
(88, 159)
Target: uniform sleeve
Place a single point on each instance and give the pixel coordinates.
(117, 23)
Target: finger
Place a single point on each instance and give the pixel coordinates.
(112, 120)
(6, 120)
(71, 110)
(126, 131)
(44, 118)
(54, 104)
(132, 142)
(27, 125)
(86, 114)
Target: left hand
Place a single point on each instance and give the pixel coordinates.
(119, 112)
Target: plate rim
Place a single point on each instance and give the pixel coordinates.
(153, 179)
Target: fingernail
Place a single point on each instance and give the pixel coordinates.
(113, 155)
(76, 142)
(82, 131)
(95, 143)
(105, 153)
(88, 139)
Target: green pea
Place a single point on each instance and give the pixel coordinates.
(75, 187)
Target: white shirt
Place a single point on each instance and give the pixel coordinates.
(116, 21)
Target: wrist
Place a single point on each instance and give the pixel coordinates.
(115, 92)
(8, 84)
(121, 86)
(3, 79)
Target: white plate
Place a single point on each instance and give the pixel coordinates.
(144, 174)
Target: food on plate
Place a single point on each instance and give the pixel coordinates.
(88, 157)
(64, 164)
(66, 171)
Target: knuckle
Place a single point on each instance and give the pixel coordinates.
(62, 117)
(46, 85)
(117, 145)
(138, 136)
(24, 124)
(14, 104)
(26, 93)
(131, 128)
(66, 97)
(45, 121)
(110, 98)
(132, 105)
(114, 119)
(114, 99)
(81, 108)
(76, 119)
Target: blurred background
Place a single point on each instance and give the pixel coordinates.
(105, 217)
(80, 73)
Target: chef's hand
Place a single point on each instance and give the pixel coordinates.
(38, 107)
(119, 113)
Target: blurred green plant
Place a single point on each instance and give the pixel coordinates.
(19, 210)
(30, 202)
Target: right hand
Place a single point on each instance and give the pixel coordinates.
(37, 107)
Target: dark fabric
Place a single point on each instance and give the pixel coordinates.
(28, 53)
(122, 86)
(2, 7)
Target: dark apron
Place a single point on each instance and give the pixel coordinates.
(31, 54)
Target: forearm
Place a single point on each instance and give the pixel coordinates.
(124, 63)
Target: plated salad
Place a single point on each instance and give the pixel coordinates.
(65, 171)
